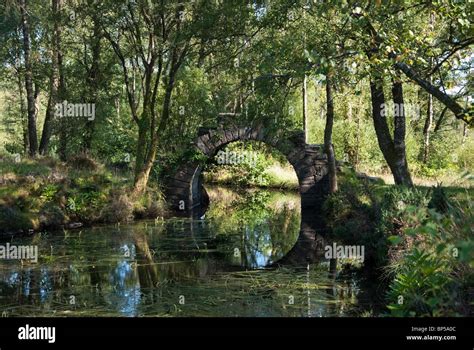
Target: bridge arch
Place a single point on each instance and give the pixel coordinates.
(183, 188)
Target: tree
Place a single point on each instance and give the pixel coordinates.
(152, 45)
(456, 38)
(30, 90)
(328, 146)
(393, 150)
(56, 79)
(155, 43)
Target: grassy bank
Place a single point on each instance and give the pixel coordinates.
(48, 194)
(275, 176)
(419, 240)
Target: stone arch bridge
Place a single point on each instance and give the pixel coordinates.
(184, 187)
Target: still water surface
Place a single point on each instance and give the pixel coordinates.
(217, 264)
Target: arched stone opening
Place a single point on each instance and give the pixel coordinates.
(184, 188)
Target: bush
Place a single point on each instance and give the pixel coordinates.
(48, 192)
(149, 205)
(12, 220)
(83, 162)
(421, 286)
(439, 200)
(118, 209)
(434, 273)
(352, 215)
(394, 203)
(52, 215)
(86, 203)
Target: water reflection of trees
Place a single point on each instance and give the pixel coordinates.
(263, 225)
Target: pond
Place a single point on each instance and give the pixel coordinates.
(245, 256)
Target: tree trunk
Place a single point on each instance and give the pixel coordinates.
(464, 134)
(54, 81)
(147, 135)
(357, 149)
(328, 146)
(142, 172)
(305, 110)
(142, 167)
(427, 129)
(93, 83)
(400, 161)
(349, 111)
(30, 93)
(23, 116)
(146, 152)
(62, 93)
(141, 178)
(48, 122)
(392, 150)
(429, 110)
(440, 120)
(63, 134)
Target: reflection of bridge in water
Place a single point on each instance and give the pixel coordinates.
(308, 248)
